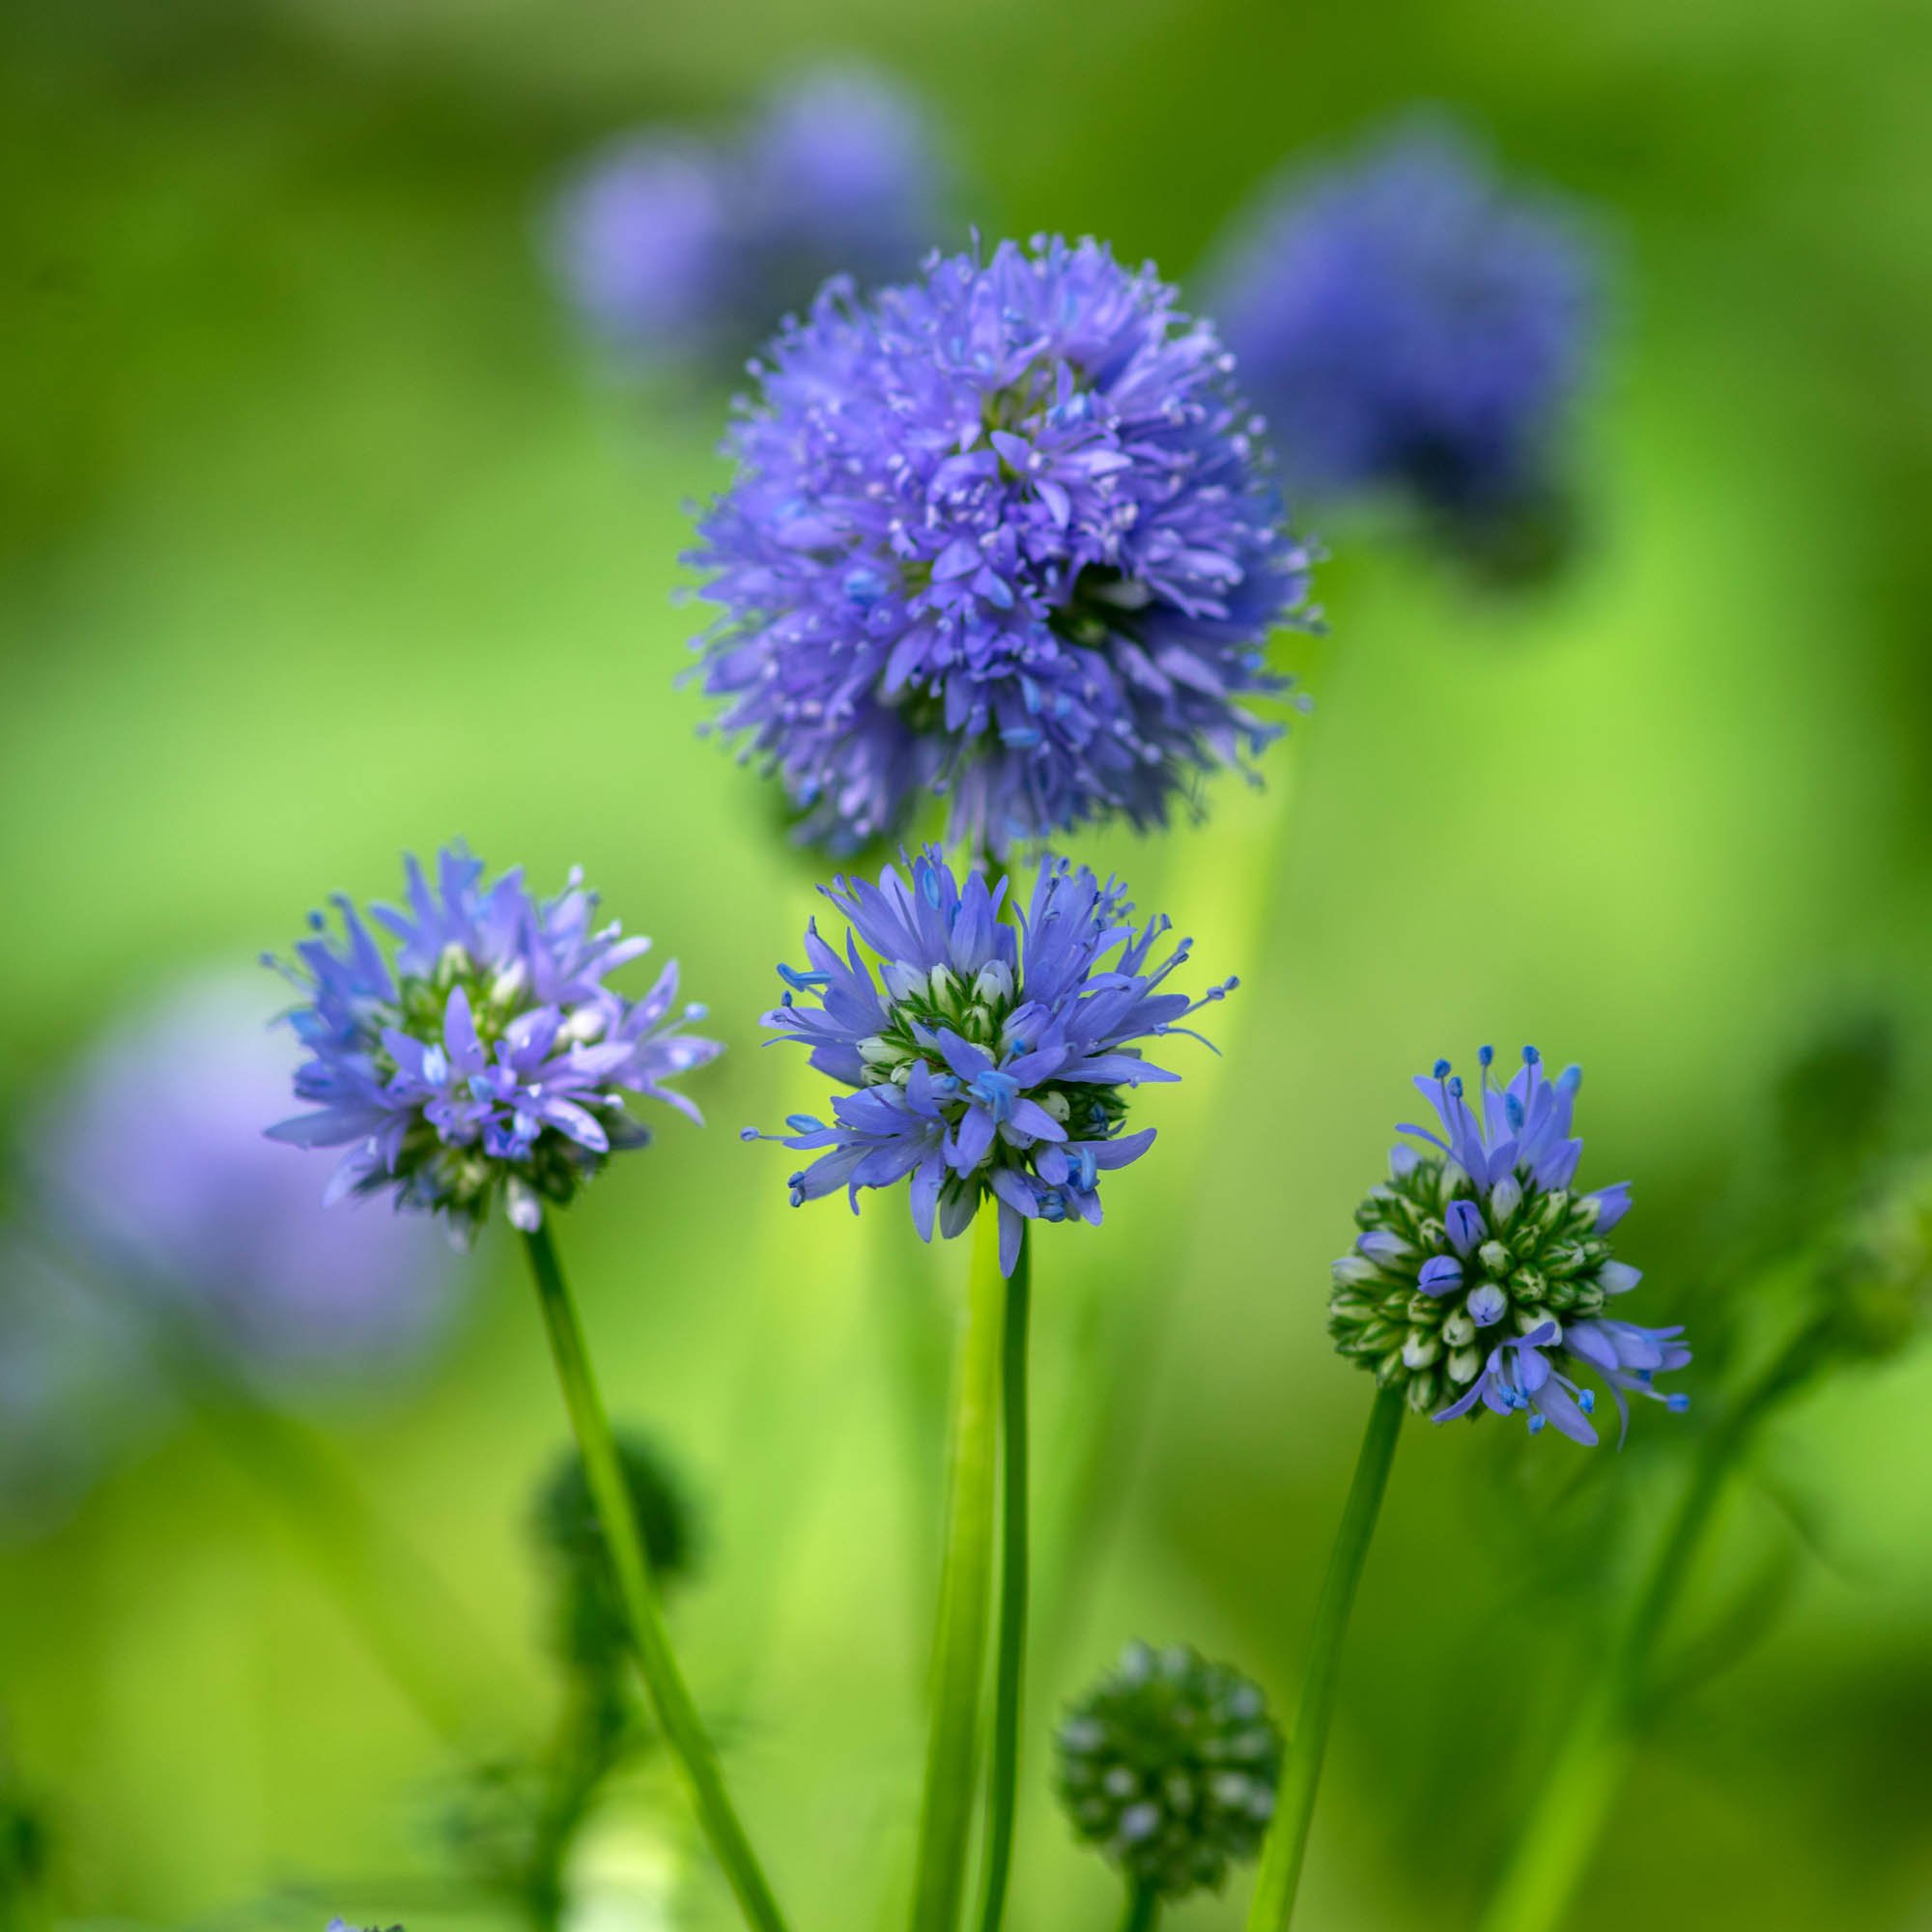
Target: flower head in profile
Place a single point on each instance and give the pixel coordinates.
(675, 247)
(1481, 1278)
(1006, 533)
(1411, 325)
(981, 1061)
(486, 1057)
(1168, 1765)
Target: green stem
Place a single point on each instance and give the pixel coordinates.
(965, 1592)
(1572, 1803)
(1143, 1909)
(1011, 1667)
(683, 1728)
(1273, 1904)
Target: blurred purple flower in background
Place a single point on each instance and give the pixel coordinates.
(156, 1219)
(1412, 326)
(674, 247)
(156, 1162)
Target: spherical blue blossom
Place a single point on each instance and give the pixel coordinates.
(1006, 533)
(1411, 325)
(982, 1060)
(1480, 1277)
(674, 246)
(489, 1057)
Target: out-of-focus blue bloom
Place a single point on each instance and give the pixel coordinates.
(489, 1056)
(1004, 532)
(673, 246)
(1480, 1277)
(154, 1166)
(983, 1059)
(154, 1215)
(1409, 324)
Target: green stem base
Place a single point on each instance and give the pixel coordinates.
(1273, 1904)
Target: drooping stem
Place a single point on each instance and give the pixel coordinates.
(683, 1728)
(1572, 1804)
(1009, 1667)
(965, 1592)
(1273, 1904)
(1143, 1909)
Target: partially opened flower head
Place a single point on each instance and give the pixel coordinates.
(1481, 1279)
(980, 1060)
(1004, 533)
(487, 1059)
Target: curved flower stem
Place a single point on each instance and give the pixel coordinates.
(1011, 1667)
(965, 1592)
(1559, 1837)
(683, 1728)
(1273, 1903)
(1143, 1909)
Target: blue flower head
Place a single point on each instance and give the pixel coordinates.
(488, 1056)
(1410, 325)
(672, 246)
(1480, 1277)
(981, 1059)
(1006, 533)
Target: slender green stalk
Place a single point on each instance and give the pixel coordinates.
(1273, 1904)
(683, 1728)
(1143, 1909)
(965, 1594)
(1010, 1668)
(1572, 1803)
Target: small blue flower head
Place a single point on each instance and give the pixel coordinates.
(1169, 1766)
(1411, 325)
(1480, 1277)
(488, 1056)
(1005, 533)
(982, 1061)
(675, 247)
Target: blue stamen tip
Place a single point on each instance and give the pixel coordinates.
(747, 1134)
(1442, 1069)
(1530, 1056)
(1586, 1401)
(1485, 1054)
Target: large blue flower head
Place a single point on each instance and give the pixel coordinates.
(1006, 534)
(1480, 1277)
(1409, 323)
(675, 247)
(488, 1056)
(982, 1060)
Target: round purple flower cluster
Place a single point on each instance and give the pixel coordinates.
(1479, 1277)
(1409, 323)
(671, 245)
(982, 1060)
(490, 1056)
(1006, 533)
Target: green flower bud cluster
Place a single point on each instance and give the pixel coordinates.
(1879, 1284)
(1169, 1766)
(1443, 1272)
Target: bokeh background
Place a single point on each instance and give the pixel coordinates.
(324, 534)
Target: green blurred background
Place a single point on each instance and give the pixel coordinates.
(321, 536)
